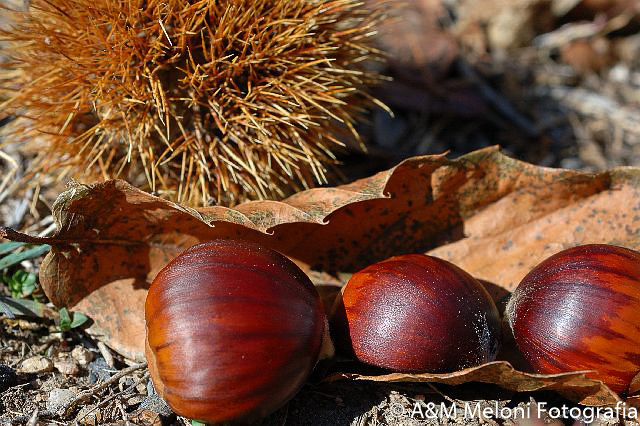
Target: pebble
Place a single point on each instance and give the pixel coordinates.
(36, 364)
(8, 377)
(58, 398)
(157, 405)
(151, 390)
(82, 355)
(99, 371)
(67, 366)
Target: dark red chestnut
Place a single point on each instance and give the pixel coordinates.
(418, 313)
(580, 310)
(233, 331)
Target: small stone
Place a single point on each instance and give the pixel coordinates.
(8, 377)
(141, 388)
(151, 390)
(36, 365)
(157, 405)
(82, 355)
(67, 366)
(99, 371)
(58, 398)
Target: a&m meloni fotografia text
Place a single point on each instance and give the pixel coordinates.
(476, 410)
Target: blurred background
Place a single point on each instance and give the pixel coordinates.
(554, 82)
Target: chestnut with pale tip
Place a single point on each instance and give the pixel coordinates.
(580, 310)
(233, 331)
(418, 313)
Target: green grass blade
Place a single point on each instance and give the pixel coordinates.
(78, 320)
(14, 258)
(24, 307)
(9, 247)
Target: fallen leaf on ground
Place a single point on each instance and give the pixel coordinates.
(494, 216)
(574, 386)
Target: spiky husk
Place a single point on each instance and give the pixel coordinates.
(199, 101)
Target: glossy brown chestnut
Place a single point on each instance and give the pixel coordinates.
(233, 331)
(418, 313)
(580, 310)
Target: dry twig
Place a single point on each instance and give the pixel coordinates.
(84, 396)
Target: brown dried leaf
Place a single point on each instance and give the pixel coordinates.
(493, 216)
(574, 386)
(413, 36)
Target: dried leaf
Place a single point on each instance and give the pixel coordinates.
(494, 216)
(414, 37)
(574, 386)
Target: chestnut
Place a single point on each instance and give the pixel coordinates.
(418, 313)
(580, 310)
(233, 331)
